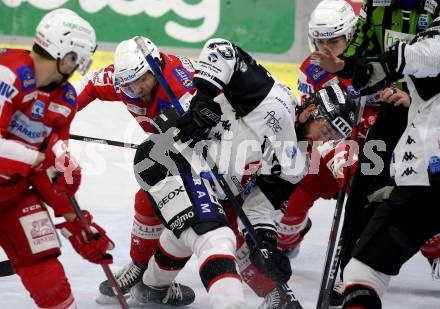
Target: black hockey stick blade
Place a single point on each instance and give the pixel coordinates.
(6, 269)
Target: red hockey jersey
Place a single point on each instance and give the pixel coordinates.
(27, 117)
(100, 84)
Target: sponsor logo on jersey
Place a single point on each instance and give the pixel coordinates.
(31, 131)
(422, 24)
(59, 109)
(3, 50)
(137, 109)
(30, 96)
(183, 77)
(169, 196)
(7, 91)
(38, 110)
(392, 37)
(434, 165)
(304, 88)
(430, 6)
(27, 78)
(180, 220)
(39, 232)
(69, 95)
(316, 73)
(272, 122)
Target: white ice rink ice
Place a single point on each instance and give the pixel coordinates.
(107, 190)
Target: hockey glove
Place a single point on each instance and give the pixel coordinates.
(92, 246)
(372, 74)
(203, 114)
(270, 260)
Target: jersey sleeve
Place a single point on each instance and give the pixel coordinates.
(215, 65)
(96, 85)
(14, 156)
(421, 59)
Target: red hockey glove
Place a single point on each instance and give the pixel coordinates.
(58, 156)
(91, 246)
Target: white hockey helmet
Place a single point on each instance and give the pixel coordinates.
(331, 19)
(130, 63)
(61, 32)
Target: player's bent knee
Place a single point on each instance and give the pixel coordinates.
(47, 284)
(358, 273)
(167, 261)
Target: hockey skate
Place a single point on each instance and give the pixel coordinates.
(126, 278)
(276, 299)
(337, 295)
(174, 295)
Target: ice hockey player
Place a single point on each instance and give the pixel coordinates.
(395, 232)
(330, 26)
(130, 81)
(253, 108)
(37, 105)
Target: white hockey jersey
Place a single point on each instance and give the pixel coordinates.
(256, 133)
(419, 147)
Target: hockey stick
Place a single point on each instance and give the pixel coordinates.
(292, 301)
(102, 141)
(331, 269)
(6, 269)
(106, 268)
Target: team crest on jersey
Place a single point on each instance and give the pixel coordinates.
(38, 110)
(27, 78)
(183, 77)
(69, 95)
(316, 73)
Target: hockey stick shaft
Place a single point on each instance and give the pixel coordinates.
(102, 141)
(220, 179)
(6, 269)
(330, 269)
(106, 268)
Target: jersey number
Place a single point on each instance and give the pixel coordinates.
(223, 49)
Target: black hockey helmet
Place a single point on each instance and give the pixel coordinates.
(334, 105)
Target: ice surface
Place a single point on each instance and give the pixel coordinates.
(108, 189)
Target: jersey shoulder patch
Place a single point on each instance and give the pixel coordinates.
(26, 77)
(69, 94)
(316, 73)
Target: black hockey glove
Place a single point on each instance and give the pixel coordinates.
(203, 114)
(372, 74)
(270, 260)
(166, 120)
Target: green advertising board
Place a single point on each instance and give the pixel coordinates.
(257, 25)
